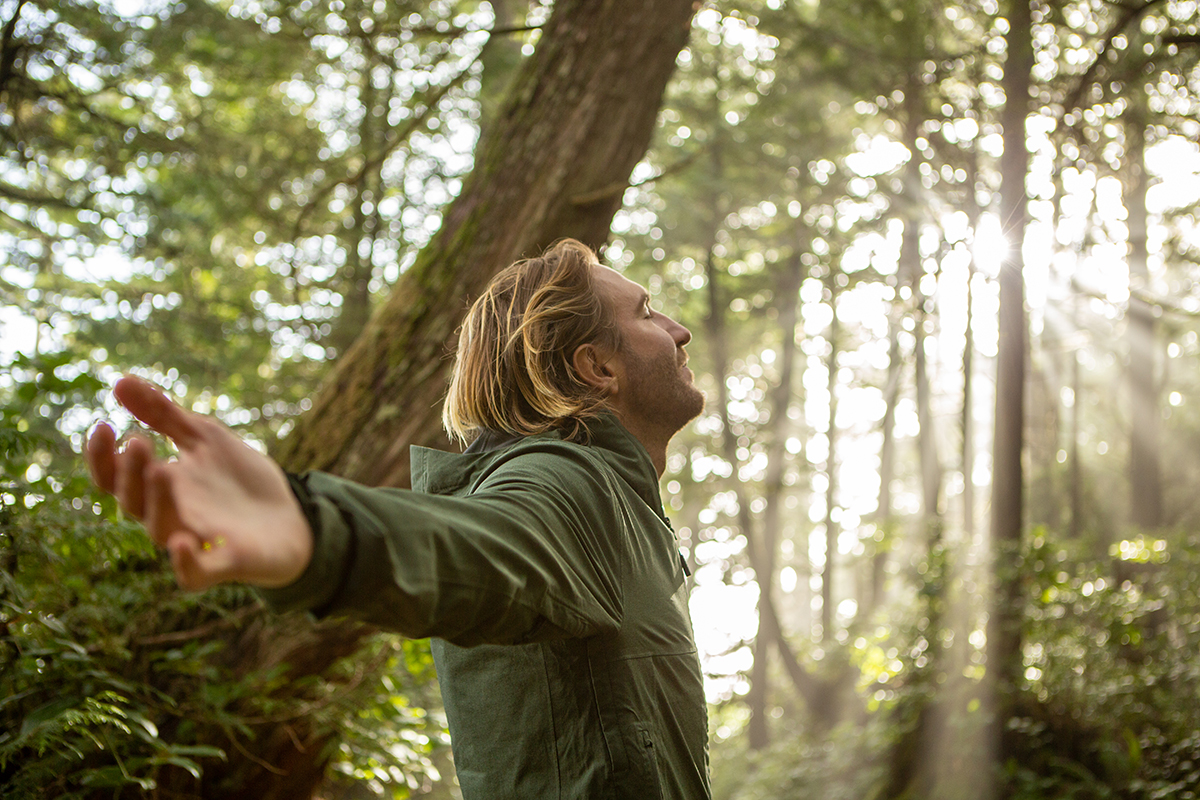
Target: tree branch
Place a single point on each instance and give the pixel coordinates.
(394, 142)
(1131, 15)
(605, 192)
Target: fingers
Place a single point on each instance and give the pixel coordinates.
(120, 473)
(161, 518)
(101, 452)
(123, 473)
(146, 402)
(130, 481)
(147, 488)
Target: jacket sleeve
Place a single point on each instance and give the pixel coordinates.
(533, 553)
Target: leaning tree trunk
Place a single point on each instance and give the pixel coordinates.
(554, 163)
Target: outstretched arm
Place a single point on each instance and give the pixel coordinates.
(222, 510)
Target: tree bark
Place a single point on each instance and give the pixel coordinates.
(501, 56)
(578, 117)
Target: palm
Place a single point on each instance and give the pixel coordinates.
(222, 510)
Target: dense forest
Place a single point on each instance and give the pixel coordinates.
(940, 261)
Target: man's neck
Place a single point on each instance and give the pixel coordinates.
(654, 441)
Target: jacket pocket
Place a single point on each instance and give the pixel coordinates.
(645, 763)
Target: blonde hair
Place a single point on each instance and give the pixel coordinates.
(513, 372)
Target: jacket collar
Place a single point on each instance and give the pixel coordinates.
(437, 471)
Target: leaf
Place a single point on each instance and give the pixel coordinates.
(115, 776)
(1135, 748)
(144, 723)
(14, 698)
(105, 776)
(43, 714)
(198, 750)
(186, 763)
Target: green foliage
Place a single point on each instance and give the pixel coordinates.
(1113, 687)
(848, 764)
(216, 194)
(389, 739)
(97, 700)
(76, 714)
(211, 194)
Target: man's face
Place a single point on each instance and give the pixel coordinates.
(654, 387)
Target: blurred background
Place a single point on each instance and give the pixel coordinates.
(940, 262)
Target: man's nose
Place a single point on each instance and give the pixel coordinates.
(681, 334)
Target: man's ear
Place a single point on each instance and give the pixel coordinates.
(591, 364)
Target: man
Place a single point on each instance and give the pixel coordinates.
(540, 559)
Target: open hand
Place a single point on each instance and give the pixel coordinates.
(222, 510)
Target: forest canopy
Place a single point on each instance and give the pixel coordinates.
(940, 261)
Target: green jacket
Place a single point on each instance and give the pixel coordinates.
(553, 584)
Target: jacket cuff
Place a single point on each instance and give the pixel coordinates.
(324, 578)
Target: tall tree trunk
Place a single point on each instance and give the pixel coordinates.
(776, 433)
(1075, 530)
(968, 364)
(967, 457)
(757, 733)
(756, 698)
(554, 163)
(1145, 474)
(818, 695)
(931, 467)
(767, 542)
(1076, 476)
(911, 272)
(885, 520)
(831, 527)
(1004, 622)
(912, 758)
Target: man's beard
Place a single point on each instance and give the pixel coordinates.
(662, 393)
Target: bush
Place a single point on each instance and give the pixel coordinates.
(113, 680)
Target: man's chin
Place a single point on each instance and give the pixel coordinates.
(698, 406)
